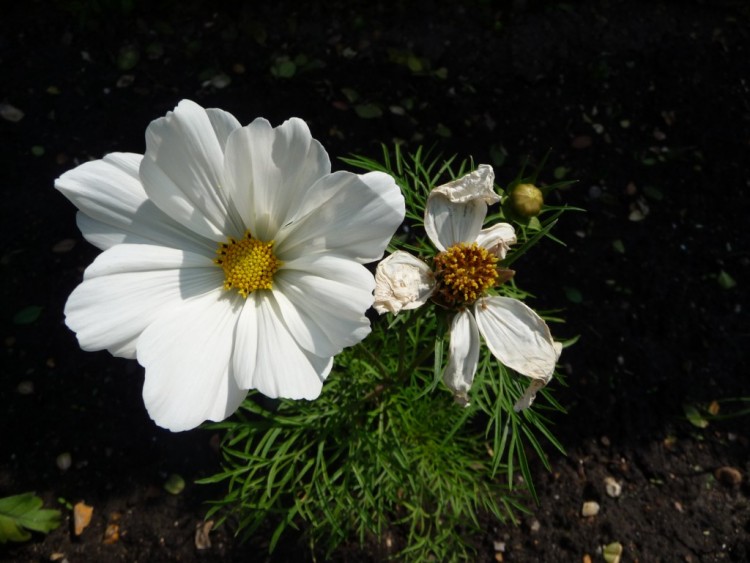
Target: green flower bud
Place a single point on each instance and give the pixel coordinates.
(527, 200)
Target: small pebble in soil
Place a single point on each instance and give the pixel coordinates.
(590, 508)
(25, 387)
(612, 552)
(202, 531)
(613, 487)
(64, 461)
(729, 476)
(81, 517)
(63, 246)
(174, 484)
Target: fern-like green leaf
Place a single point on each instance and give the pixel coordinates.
(24, 512)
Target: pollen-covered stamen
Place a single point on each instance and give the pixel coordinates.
(248, 264)
(464, 272)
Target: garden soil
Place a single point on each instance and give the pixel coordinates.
(645, 104)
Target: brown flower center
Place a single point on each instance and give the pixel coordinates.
(464, 272)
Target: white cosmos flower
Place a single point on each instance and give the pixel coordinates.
(464, 271)
(233, 260)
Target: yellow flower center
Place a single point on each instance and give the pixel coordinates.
(248, 264)
(464, 272)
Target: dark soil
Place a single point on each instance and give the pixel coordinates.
(645, 103)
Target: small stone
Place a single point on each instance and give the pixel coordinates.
(590, 508)
(220, 81)
(613, 487)
(202, 531)
(125, 81)
(174, 484)
(112, 531)
(535, 525)
(64, 461)
(11, 113)
(613, 552)
(728, 476)
(81, 517)
(25, 387)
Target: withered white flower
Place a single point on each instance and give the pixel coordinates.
(233, 260)
(402, 282)
(464, 271)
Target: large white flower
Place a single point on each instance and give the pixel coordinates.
(233, 260)
(463, 272)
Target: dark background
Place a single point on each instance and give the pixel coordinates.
(646, 104)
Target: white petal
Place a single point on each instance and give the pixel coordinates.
(127, 287)
(183, 172)
(516, 336)
(270, 172)
(449, 223)
(497, 239)
(464, 356)
(402, 282)
(323, 300)
(527, 399)
(268, 358)
(187, 355)
(348, 214)
(115, 209)
(455, 211)
(223, 123)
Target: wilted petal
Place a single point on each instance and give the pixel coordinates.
(517, 336)
(463, 356)
(497, 239)
(529, 395)
(527, 399)
(477, 185)
(455, 211)
(402, 282)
